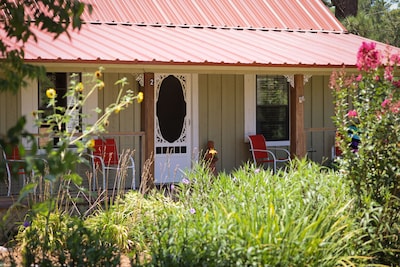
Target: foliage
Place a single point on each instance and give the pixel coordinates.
(60, 163)
(371, 103)
(377, 20)
(61, 240)
(19, 23)
(248, 218)
(132, 221)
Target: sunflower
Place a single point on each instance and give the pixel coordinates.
(51, 93)
(79, 87)
(98, 74)
(140, 97)
(90, 143)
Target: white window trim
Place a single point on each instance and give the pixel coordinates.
(250, 104)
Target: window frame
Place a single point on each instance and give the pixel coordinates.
(250, 103)
(66, 102)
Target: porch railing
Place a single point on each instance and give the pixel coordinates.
(132, 141)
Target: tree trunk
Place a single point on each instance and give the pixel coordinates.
(345, 8)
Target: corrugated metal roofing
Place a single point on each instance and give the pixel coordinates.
(200, 32)
(279, 14)
(161, 44)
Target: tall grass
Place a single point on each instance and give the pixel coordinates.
(254, 218)
(297, 217)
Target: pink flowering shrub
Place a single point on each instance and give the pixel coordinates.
(370, 102)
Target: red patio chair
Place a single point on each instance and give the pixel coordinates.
(14, 165)
(261, 154)
(105, 157)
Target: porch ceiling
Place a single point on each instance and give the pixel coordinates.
(195, 45)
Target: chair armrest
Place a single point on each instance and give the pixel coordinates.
(93, 157)
(268, 151)
(284, 150)
(130, 158)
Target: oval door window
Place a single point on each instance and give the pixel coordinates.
(171, 108)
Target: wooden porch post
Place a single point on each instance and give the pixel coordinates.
(147, 121)
(297, 136)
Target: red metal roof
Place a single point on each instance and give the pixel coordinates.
(161, 44)
(279, 14)
(201, 32)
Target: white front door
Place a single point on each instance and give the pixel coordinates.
(172, 127)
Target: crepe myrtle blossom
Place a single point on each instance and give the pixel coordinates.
(386, 102)
(352, 113)
(368, 58)
(395, 108)
(388, 75)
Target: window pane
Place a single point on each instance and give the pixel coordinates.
(60, 81)
(273, 107)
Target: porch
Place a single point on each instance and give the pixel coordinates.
(127, 143)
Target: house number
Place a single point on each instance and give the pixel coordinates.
(151, 82)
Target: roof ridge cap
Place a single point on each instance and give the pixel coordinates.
(225, 27)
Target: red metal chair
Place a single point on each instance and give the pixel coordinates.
(262, 155)
(14, 165)
(105, 157)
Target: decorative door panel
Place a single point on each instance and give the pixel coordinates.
(172, 127)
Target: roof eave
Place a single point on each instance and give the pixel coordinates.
(192, 67)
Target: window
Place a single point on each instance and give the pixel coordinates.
(60, 81)
(272, 107)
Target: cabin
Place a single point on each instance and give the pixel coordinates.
(209, 70)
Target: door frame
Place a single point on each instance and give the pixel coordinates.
(192, 115)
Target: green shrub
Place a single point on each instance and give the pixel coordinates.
(254, 218)
(54, 236)
(62, 240)
(370, 101)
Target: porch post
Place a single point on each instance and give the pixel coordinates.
(147, 121)
(297, 136)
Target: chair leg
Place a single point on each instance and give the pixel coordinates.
(133, 186)
(9, 180)
(94, 177)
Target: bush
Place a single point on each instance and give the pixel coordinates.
(62, 240)
(370, 103)
(252, 217)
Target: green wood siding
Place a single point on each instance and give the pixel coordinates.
(10, 110)
(128, 120)
(221, 118)
(319, 110)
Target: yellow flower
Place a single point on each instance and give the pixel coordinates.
(117, 110)
(79, 87)
(100, 84)
(98, 74)
(140, 97)
(212, 151)
(90, 143)
(51, 93)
